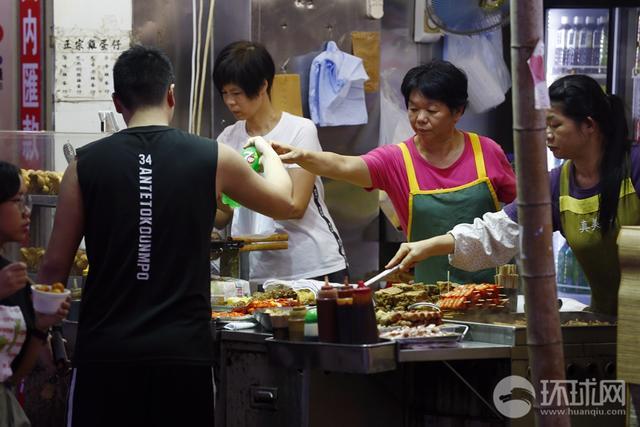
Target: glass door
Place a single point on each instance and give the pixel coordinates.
(577, 42)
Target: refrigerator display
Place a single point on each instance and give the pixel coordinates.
(602, 41)
(577, 42)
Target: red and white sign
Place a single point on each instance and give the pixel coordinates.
(31, 78)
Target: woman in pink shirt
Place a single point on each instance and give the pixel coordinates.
(435, 179)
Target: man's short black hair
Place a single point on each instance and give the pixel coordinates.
(246, 64)
(141, 77)
(438, 80)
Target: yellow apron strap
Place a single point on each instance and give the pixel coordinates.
(477, 154)
(411, 172)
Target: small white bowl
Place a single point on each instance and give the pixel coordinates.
(48, 302)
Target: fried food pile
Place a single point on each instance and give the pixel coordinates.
(41, 182)
(32, 256)
(392, 304)
(401, 295)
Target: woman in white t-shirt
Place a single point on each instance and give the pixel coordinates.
(243, 74)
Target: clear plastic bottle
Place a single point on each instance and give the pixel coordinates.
(572, 44)
(585, 46)
(569, 261)
(600, 45)
(561, 45)
(560, 270)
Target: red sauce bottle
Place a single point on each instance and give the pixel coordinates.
(326, 302)
(363, 316)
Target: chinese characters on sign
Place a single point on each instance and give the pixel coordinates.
(84, 61)
(30, 55)
(31, 76)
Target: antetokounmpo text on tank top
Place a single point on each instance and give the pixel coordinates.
(146, 212)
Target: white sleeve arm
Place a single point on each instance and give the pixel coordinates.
(489, 242)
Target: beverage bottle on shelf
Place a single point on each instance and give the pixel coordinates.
(572, 44)
(561, 45)
(579, 279)
(560, 272)
(585, 46)
(364, 317)
(600, 45)
(569, 261)
(326, 303)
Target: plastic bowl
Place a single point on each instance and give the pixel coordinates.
(48, 302)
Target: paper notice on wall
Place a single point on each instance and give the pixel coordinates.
(285, 93)
(84, 63)
(366, 45)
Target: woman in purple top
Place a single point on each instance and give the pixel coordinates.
(593, 193)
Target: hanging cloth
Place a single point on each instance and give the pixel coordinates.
(336, 88)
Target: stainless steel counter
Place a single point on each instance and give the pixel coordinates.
(361, 359)
(466, 350)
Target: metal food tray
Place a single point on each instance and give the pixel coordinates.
(347, 358)
(449, 338)
(509, 328)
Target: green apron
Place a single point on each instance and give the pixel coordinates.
(435, 212)
(597, 255)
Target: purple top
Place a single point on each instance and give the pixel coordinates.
(575, 191)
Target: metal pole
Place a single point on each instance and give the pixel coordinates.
(544, 338)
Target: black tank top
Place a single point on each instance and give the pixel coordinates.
(149, 206)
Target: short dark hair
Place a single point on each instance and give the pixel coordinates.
(438, 80)
(580, 97)
(246, 64)
(141, 77)
(9, 181)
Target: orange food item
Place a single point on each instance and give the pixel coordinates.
(56, 288)
(472, 296)
(216, 314)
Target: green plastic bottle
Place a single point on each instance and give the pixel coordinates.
(252, 157)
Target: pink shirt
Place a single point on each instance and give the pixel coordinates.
(388, 172)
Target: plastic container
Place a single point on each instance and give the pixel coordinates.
(311, 325)
(344, 314)
(365, 329)
(326, 302)
(48, 302)
(280, 326)
(296, 323)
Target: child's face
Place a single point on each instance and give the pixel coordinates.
(15, 217)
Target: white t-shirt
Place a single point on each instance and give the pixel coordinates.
(315, 247)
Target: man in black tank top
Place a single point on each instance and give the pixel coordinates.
(145, 199)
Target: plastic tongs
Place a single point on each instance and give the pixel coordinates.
(381, 275)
